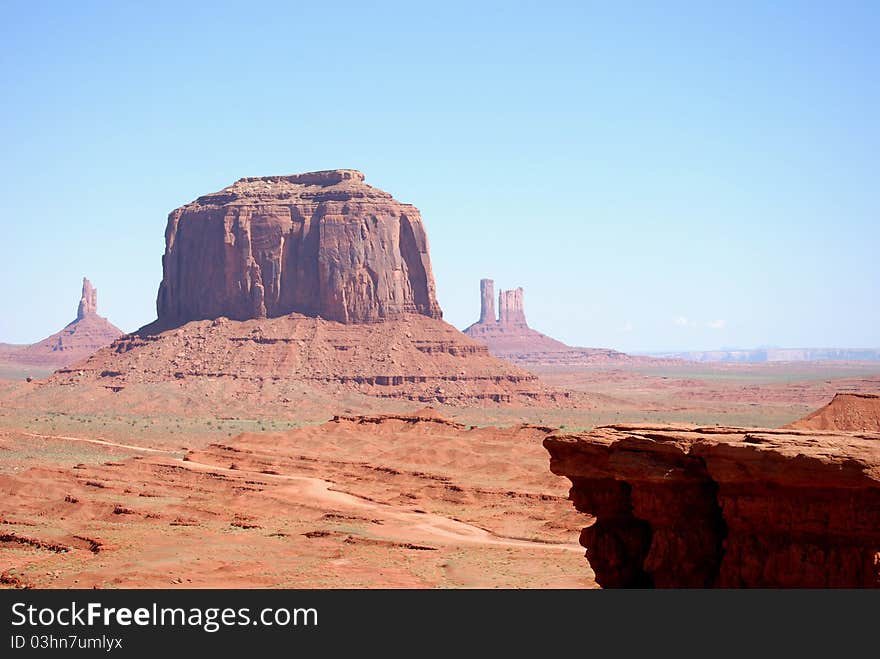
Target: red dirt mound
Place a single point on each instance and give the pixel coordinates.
(411, 358)
(846, 411)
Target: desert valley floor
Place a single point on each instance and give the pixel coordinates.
(157, 486)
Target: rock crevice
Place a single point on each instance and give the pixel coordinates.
(725, 507)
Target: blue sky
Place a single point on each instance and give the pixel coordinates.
(655, 175)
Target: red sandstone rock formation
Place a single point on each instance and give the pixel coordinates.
(307, 285)
(311, 281)
(84, 335)
(88, 303)
(847, 411)
(510, 337)
(510, 308)
(725, 507)
(487, 302)
(321, 244)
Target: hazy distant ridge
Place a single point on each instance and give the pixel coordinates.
(777, 355)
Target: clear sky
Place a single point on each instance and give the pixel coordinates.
(656, 175)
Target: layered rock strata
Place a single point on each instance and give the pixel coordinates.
(412, 358)
(88, 302)
(510, 308)
(725, 507)
(320, 244)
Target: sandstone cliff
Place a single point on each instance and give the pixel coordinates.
(510, 308)
(725, 507)
(320, 244)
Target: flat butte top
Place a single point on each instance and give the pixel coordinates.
(327, 185)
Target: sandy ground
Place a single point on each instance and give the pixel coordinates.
(142, 517)
(215, 495)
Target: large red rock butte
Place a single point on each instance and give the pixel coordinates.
(317, 281)
(725, 507)
(320, 244)
(84, 335)
(509, 336)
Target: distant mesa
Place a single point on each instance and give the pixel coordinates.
(322, 244)
(846, 411)
(87, 333)
(312, 282)
(509, 336)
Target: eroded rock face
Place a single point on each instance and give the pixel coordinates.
(725, 507)
(320, 244)
(88, 303)
(487, 301)
(510, 307)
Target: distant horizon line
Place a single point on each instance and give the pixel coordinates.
(758, 348)
(770, 354)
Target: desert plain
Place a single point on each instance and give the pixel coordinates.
(147, 496)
